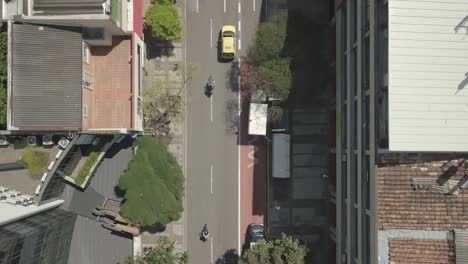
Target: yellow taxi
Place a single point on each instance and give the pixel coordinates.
(228, 42)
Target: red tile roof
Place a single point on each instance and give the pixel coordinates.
(421, 251)
(400, 206)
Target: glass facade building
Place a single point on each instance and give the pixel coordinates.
(43, 238)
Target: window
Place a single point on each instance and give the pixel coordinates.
(344, 30)
(86, 53)
(354, 6)
(93, 33)
(367, 171)
(365, 121)
(87, 80)
(85, 110)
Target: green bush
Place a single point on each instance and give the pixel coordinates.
(3, 79)
(153, 185)
(163, 20)
(163, 253)
(36, 161)
(285, 250)
(3, 108)
(270, 71)
(86, 169)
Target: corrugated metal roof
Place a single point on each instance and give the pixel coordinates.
(68, 7)
(46, 77)
(461, 246)
(428, 86)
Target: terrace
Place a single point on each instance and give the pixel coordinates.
(107, 93)
(25, 180)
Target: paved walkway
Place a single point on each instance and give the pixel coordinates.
(159, 58)
(253, 166)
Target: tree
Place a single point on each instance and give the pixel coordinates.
(273, 78)
(270, 39)
(163, 20)
(163, 253)
(285, 250)
(162, 102)
(270, 70)
(153, 185)
(3, 79)
(3, 108)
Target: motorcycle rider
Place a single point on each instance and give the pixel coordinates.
(205, 232)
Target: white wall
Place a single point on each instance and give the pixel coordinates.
(428, 88)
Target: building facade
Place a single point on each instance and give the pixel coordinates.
(41, 238)
(401, 128)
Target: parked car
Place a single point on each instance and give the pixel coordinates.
(228, 42)
(256, 234)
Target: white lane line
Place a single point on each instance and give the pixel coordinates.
(184, 214)
(224, 6)
(239, 39)
(239, 7)
(211, 173)
(211, 249)
(253, 5)
(211, 32)
(197, 6)
(211, 108)
(239, 164)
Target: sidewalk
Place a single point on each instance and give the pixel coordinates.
(161, 56)
(253, 168)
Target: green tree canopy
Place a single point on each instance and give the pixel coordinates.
(153, 185)
(163, 253)
(270, 70)
(3, 79)
(272, 77)
(163, 20)
(270, 39)
(285, 250)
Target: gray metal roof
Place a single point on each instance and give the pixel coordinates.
(46, 77)
(68, 7)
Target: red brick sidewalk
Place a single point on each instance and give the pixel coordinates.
(252, 166)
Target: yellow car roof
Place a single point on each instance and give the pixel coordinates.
(229, 28)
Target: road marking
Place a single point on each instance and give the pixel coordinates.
(253, 5)
(211, 249)
(184, 214)
(224, 6)
(239, 164)
(211, 108)
(239, 39)
(239, 7)
(211, 173)
(211, 32)
(197, 6)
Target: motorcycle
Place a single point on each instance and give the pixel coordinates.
(210, 86)
(204, 235)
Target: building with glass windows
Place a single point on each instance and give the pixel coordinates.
(42, 238)
(401, 131)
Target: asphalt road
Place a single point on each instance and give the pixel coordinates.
(212, 151)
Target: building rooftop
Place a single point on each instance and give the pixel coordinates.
(45, 78)
(108, 102)
(20, 180)
(429, 206)
(428, 251)
(427, 81)
(420, 203)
